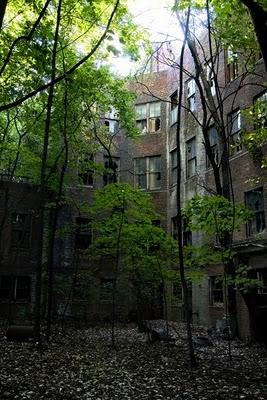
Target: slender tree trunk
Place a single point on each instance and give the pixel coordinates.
(259, 19)
(3, 4)
(188, 312)
(38, 288)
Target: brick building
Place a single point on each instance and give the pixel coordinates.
(150, 163)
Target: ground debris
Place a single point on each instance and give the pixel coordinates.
(82, 365)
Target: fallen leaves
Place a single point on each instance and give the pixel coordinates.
(82, 365)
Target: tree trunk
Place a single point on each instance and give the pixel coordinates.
(3, 4)
(259, 19)
(188, 311)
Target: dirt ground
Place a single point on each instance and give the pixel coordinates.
(81, 364)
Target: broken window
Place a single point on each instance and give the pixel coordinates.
(255, 202)
(148, 117)
(111, 174)
(216, 290)
(174, 103)
(191, 95)
(234, 129)
(15, 288)
(147, 172)
(191, 158)
(174, 167)
(112, 126)
(213, 139)
(86, 172)
(21, 229)
(83, 235)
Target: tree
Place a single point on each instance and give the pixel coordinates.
(45, 44)
(138, 251)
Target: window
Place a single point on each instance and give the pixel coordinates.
(86, 172)
(83, 235)
(213, 138)
(111, 121)
(260, 110)
(232, 66)
(175, 228)
(148, 117)
(174, 103)
(210, 77)
(147, 172)
(21, 229)
(191, 158)
(111, 174)
(234, 129)
(15, 288)
(112, 126)
(216, 290)
(140, 173)
(191, 95)
(262, 277)
(255, 201)
(174, 167)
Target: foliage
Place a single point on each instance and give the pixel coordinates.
(231, 23)
(123, 219)
(242, 281)
(215, 215)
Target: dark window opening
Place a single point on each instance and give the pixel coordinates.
(216, 291)
(15, 288)
(21, 229)
(111, 173)
(86, 173)
(255, 202)
(83, 236)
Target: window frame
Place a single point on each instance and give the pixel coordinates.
(260, 217)
(23, 229)
(15, 282)
(191, 95)
(214, 147)
(107, 176)
(148, 124)
(192, 159)
(87, 176)
(214, 291)
(231, 65)
(235, 141)
(173, 107)
(148, 173)
(83, 232)
(174, 167)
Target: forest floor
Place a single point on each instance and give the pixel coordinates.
(82, 365)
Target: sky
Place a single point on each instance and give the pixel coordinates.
(156, 17)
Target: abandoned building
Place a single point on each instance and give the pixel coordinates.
(151, 165)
